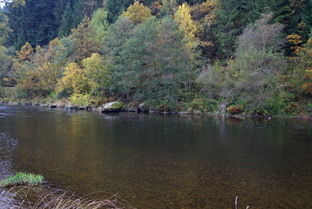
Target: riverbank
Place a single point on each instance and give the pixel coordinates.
(303, 113)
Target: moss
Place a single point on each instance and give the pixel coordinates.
(117, 105)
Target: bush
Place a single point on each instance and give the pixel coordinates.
(235, 109)
(80, 99)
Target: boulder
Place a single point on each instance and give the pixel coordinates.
(143, 107)
(112, 107)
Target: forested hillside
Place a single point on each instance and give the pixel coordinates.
(250, 57)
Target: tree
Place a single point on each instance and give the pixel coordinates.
(258, 63)
(49, 65)
(73, 81)
(65, 25)
(261, 35)
(137, 12)
(169, 7)
(77, 14)
(225, 28)
(33, 21)
(84, 40)
(5, 30)
(97, 74)
(5, 63)
(188, 26)
(100, 25)
(26, 52)
(153, 62)
(115, 8)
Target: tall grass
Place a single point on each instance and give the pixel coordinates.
(22, 179)
(44, 197)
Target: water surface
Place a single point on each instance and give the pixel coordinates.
(161, 161)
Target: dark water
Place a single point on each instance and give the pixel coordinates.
(156, 161)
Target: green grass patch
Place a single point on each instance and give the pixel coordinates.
(21, 178)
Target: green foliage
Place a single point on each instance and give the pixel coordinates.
(309, 107)
(218, 82)
(34, 22)
(84, 40)
(100, 25)
(115, 8)
(5, 30)
(152, 62)
(65, 24)
(5, 64)
(22, 179)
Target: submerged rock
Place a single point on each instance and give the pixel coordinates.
(112, 107)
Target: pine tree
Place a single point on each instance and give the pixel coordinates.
(65, 26)
(226, 29)
(77, 14)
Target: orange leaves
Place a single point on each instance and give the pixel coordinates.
(296, 41)
(26, 52)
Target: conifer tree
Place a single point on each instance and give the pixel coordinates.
(77, 14)
(65, 26)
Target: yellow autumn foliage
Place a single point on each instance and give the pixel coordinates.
(73, 81)
(137, 13)
(188, 26)
(26, 52)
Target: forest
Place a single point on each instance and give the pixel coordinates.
(248, 57)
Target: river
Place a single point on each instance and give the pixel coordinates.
(162, 161)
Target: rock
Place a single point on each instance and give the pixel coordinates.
(112, 107)
(52, 106)
(143, 107)
(132, 109)
(184, 113)
(71, 107)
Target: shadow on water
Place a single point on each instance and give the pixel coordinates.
(161, 161)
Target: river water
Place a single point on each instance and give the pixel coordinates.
(161, 161)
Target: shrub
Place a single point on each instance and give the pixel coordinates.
(80, 99)
(235, 109)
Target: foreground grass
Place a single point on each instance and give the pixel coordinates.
(44, 197)
(22, 179)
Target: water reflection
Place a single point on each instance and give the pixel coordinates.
(161, 161)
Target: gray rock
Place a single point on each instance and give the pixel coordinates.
(132, 109)
(71, 107)
(143, 107)
(112, 107)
